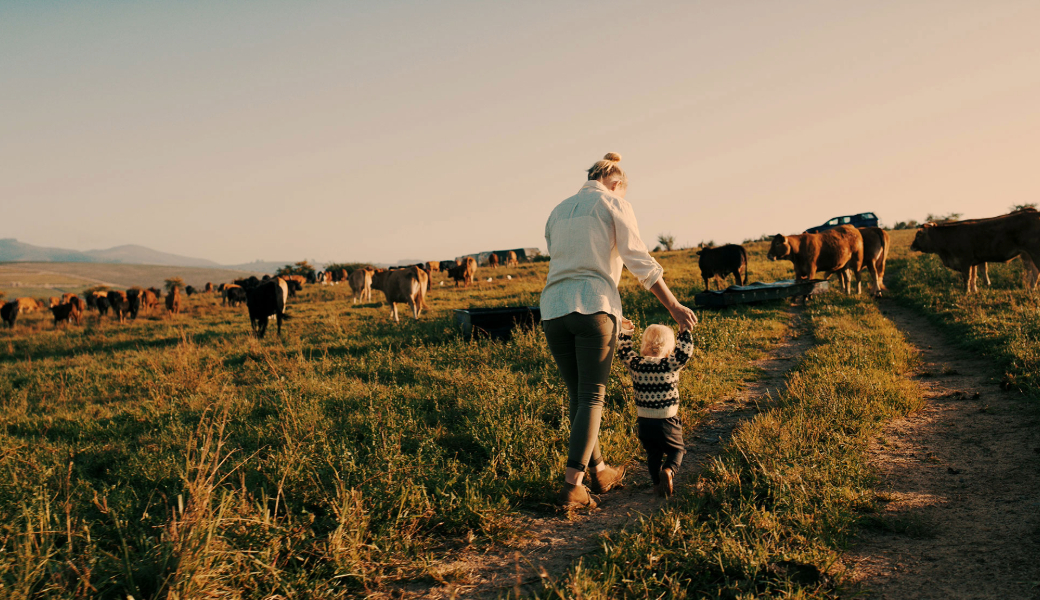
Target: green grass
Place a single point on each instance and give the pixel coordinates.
(179, 457)
(1000, 323)
(771, 514)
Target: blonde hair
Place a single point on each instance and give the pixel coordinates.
(608, 169)
(658, 341)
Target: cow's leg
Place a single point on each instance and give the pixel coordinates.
(1032, 274)
(706, 288)
(983, 272)
(968, 275)
(278, 317)
(393, 312)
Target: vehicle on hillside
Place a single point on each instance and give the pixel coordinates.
(867, 219)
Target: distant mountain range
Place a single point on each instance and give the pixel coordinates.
(11, 250)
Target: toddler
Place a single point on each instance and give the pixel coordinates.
(655, 380)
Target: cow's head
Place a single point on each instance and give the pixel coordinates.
(923, 239)
(779, 248)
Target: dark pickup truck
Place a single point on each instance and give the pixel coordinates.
(867, 219)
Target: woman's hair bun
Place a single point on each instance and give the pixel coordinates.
(612, 156)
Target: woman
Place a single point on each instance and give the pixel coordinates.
(590, 235)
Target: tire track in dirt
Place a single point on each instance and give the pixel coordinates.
(962, 483)
(555, 541)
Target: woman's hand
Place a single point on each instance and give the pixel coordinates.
(683, 316)
(626, 324)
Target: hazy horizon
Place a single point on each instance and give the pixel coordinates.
(376, 132)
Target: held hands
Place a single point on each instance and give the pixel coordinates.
(626, 325)
(683, 316)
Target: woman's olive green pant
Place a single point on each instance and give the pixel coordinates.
(583, 347)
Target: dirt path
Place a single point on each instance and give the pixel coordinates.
(962, 480)
(556, 541)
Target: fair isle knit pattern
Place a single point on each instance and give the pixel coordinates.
(655, 380)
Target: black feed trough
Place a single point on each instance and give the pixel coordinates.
(496, 323)
(758, 292)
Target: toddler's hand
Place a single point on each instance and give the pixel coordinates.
(626, 324)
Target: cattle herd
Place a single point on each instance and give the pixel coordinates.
(845, 251)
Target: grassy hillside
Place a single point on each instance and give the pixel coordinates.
(53, 279)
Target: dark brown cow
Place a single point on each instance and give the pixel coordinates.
(717, 263)
(9, 312)
(493, 261)
(827, 252)
(464, 272)
(119, 303)
(209, 287)
(234, 294)
(361, 284)
(406, 285)
(964, 245)
(173, 301)
(66, 312)
(149, 299)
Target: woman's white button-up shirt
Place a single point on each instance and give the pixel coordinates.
(590, 236)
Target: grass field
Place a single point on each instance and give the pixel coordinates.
(179, 457)
(41, 280)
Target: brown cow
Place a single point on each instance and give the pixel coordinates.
(119, 303)
(173, 301)
(875, 253)
(433, 266)
(406, 285)
(149, 299)
(511, 259)
(27, 305)
(493, 261)
(831, 251)
(67, 297)
(361, 284)
(209, 287)
(53, 301)
(965, 245)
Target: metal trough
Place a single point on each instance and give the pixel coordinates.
(759, 292)
(496, 323)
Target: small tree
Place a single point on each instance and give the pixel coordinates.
(666, 240)
(1018, 207)
(911, 224)
(301, 268)
(174, 283)
(943, 219)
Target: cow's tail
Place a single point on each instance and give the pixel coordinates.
(880, 268)
(423, 288)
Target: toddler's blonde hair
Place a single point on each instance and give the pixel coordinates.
(658, 341)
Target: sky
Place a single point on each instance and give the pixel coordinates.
(385, 131)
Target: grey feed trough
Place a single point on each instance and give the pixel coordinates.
(496, 323)
(759, 292)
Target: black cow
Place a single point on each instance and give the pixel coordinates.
(9, 312)
(717, 263)
(133, 296)
(447, 264)
(250, 282)
(101, 304)
(189, 290)
(265, 300)
(119, 303)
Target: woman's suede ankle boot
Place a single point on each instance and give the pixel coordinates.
(606, 480)
(575, 496)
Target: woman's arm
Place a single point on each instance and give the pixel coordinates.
(682, 315)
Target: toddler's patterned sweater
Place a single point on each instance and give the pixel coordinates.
(655, 380)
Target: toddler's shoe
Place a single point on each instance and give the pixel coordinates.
(667, 486)
(607, 479)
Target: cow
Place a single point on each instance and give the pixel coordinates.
(119, 303)
(447, 264)
(79, 304)
(188, 290)
(965, 245)
(464, 272)
(234, 294)
(831, 251)
(9, 312)
(101, 303)
(876, 245)
(149, 299)
(511, 259)
(433, 266)
(27, 305)
(209, 287)
(295, 283)
(312, 277)
(361, 284)
(65, 312)
(53, 301)
(717, 263)
(173, 301)
(265, 300)
(406, 285)
(493, 261)
(249, 282)
(133, 296)
(67, 297)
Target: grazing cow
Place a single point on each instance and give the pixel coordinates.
(493, 261)
(79, 304)
(965, 245)
(827, 252)
(265, 300)
(101, 303)
(65, 312)
(447, 264)
(511, 259)
(464, 272)
(209, 287)
(173, 301)
(406, 285)
(361, 284)
(149, 299)
(234, 294)
(188, 290)
(717, 263)
(295, 283)
(53, 301)
(119, 303)
(312, 277)
(67, 297)
(9, 312)
(220, 288)
(27, 305)
(433, 266)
